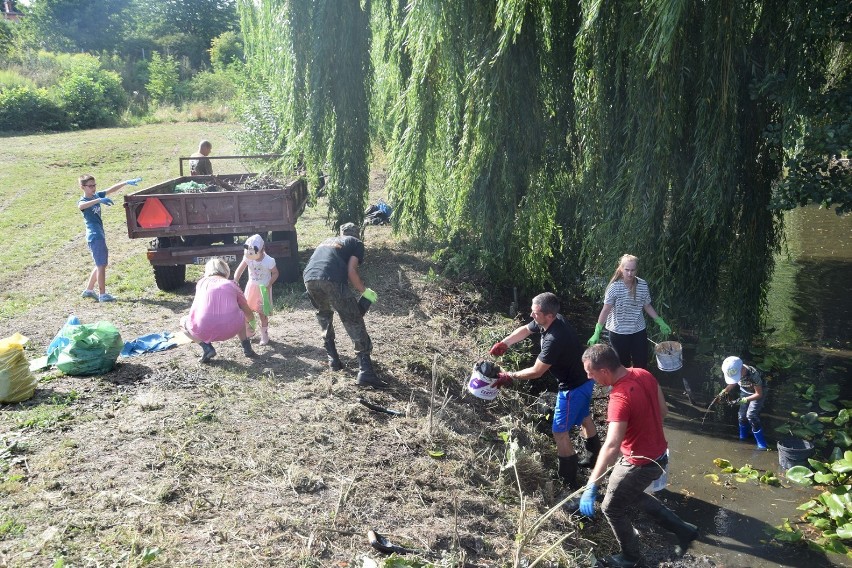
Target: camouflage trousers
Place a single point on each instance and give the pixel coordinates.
(329, 297)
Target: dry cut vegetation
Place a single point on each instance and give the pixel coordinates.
(275, 461)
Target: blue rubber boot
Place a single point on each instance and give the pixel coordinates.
(745, 428)
(761, 441)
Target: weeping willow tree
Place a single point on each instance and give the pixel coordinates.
(309, 93)
(538, 141)
(480, 148)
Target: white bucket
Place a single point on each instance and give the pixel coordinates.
(669, 355)
(481, 386)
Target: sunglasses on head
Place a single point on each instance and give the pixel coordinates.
(251, 248)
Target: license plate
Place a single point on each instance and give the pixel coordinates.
(225, 257)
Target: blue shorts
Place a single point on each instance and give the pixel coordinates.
(572, 406)
(100, 254)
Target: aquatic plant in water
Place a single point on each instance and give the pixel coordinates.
(829, 515)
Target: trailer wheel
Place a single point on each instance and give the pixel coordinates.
(288, 267)
(170, 278)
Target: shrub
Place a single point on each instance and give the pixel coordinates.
(25, 108)
(226, 50)
(207, 86)
(92, 99)
(162, 78)
(11, 78)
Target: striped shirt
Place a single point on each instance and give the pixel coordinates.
(626, 316)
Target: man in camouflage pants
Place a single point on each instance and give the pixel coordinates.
(332, 267)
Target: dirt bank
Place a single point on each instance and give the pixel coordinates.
(275, 461)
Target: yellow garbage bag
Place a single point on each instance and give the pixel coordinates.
(17, 383)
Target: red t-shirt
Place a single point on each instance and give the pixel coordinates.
(634, 400)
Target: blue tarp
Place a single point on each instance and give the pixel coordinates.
(149, 344)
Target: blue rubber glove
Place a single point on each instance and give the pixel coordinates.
(133, 181)
(105, 201)
(587, 501)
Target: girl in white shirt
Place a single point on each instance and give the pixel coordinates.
(262, 274)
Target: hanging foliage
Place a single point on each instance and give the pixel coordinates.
(310, 63)
(538, 141)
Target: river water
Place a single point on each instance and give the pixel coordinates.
(808, 342)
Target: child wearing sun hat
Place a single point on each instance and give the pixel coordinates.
(752, 396)
(262, 273)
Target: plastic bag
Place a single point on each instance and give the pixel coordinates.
(660, 483)
(190, 187)
(267, 302)
(92, 349)
(17, 383)
(61, 339)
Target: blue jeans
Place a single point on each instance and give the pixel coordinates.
(624, 494)
(749, 412)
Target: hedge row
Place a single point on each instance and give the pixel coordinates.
(80, 100)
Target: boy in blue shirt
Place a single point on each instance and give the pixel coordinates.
(90, 206)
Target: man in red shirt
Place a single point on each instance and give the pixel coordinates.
(636, 448)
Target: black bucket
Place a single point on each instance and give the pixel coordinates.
(794, 451)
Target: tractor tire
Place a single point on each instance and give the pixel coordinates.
(170, 278)
(288, 267)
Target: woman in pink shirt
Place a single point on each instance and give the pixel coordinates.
(219, 311)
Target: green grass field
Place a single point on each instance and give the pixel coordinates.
(42, 245)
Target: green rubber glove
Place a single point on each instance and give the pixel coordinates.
(371, 295)
(664, 327)
(267, 302)
(596, 335)
(743, 400)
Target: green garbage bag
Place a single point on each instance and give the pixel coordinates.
(92, 349)
(17, 383)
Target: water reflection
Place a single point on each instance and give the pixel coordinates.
(810, 342)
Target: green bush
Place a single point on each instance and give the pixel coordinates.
(11, 78)
(226, 50)
(207, 86)
(92, 99)
(25, 108)
(163, 78)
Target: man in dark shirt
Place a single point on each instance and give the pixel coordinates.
(561, 354)
(330, 271)
(200, 165)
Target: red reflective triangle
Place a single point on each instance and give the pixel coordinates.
(154, 214)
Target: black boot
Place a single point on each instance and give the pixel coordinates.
(366, 375)
(568, 472)
(247, 350)
(333, 358)
(207, 352)
(685, 532)
(593, 447)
